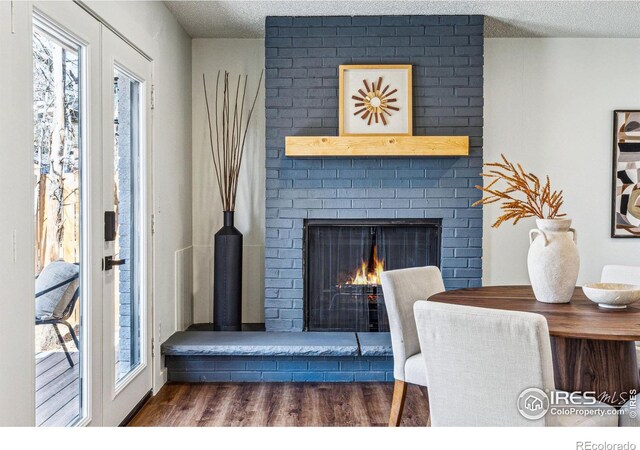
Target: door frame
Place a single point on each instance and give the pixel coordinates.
(72, 21)
(62, 15)
(149, 47)
(119, 53)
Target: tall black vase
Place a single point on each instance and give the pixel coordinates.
(227, 279)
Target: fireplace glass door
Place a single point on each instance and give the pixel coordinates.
(343, 262)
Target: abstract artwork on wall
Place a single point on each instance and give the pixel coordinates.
(626, 174)
(375, 100)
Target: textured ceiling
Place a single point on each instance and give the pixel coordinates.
(245, 19)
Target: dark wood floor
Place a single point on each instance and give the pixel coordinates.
(279, 404)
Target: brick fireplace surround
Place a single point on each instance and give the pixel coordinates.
(302, 58)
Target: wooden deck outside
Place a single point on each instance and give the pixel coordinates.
(57, 389)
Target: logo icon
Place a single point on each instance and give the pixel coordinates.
(533, 403)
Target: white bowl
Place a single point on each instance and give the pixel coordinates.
(612, 295)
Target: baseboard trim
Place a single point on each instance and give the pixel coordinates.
(136, 409)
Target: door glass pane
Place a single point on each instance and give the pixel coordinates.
(58, 207)
(126, 192)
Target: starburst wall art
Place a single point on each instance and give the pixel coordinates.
(375, 100)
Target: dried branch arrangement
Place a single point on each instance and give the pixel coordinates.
(231, 126)
(539, 200)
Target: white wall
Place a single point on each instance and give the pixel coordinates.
(548, 105)
(238, 56)
(16, 220)
(155, 30)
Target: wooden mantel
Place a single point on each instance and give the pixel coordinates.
(385, 146)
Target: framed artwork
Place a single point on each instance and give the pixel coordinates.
(625, 221)
(375, 100)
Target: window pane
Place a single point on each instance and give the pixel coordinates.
(126, 129)
(57, 212)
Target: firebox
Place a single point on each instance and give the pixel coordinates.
(342, 262)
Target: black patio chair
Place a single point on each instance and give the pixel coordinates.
(55, 310)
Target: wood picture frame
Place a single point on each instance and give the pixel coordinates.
(625, 189)
(375, 100)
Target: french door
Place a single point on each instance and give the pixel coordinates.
(92, 125)
(68, 239)
(126, 95)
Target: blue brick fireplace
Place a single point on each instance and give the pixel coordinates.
(302, 59)
(302, 55)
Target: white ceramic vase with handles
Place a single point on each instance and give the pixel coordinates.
(553, 260)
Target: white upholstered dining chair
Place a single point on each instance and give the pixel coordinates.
(479, 361)
(622, 275)
(401, 289)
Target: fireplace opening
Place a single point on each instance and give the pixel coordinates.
(342, 263)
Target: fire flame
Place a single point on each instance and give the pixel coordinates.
(368, 276)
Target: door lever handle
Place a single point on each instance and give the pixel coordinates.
(109, 262)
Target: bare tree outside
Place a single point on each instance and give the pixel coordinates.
(56, 160)
(55, 151)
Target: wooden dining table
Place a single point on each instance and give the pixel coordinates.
(593, 348)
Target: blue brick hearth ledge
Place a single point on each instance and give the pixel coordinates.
(258, 343)
(374, 344)
(201, 356)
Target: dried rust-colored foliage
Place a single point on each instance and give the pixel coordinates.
(524, 195)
